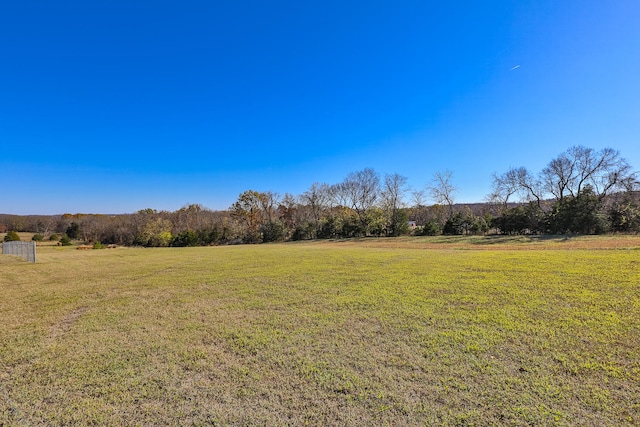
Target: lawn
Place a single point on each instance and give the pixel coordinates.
(412, 331)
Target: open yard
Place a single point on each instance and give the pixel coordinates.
(411, 331)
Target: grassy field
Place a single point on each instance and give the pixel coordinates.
(412, 331)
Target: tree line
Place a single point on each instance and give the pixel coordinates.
(581, 191)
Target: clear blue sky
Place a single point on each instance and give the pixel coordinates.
(116, 106)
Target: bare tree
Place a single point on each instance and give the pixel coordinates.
(418, 198)
(189, 217)
(359, 192)
(317, 198)
(503, 187)
(514, 182)
(394, 189)
(558, 176)
(288, 211)
(604, 171)
(531, 185)
(339, 195)
(442, 189)
(362, 191)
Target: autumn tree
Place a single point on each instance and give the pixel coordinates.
(288, 213)
(156, 232)
(256, 211)
(624, 213)
(247, 211)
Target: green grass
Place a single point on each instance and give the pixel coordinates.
(322, 334)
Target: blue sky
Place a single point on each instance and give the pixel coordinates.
(116, 106)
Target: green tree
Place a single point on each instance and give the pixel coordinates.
(431, 228)
(73, 231)
(581, 214)
(523, 219)
(456, 225)
(399, 223)
(376, 221)
(211, 236)
(478, 225)
(512, 221)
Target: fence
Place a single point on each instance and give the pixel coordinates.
(26, 250)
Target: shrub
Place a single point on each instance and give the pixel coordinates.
(161, 239)
(65, 240)
(186, 238)
(98, 245)
(211, 236)
(272, 231)
(54, 237)
(37, 237)
(12, 236)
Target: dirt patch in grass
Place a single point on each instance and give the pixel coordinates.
(63, 326)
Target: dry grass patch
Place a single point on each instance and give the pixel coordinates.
(321, 334)
(495, 242)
